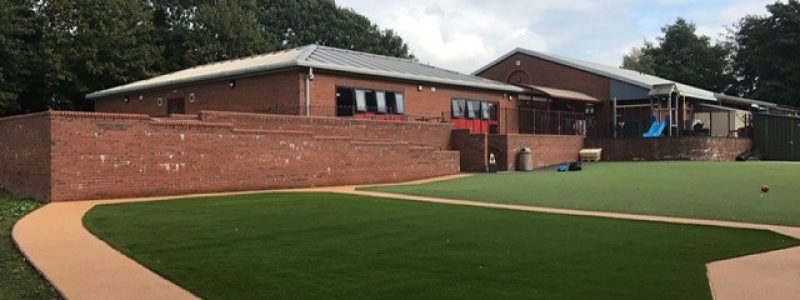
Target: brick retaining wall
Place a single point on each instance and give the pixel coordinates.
(548, 150)
(473, 149)
(428, 134)
(679, 148)
(25, 155)
(100, 155)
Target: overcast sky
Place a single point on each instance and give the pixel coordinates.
(464, 35)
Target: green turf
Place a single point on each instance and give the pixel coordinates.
(328, 246)
(720, 191)
(18, 280)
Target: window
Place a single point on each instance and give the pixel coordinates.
(459, 108)
(399, 104)
(492, 108)
(372, 101)
(473, 109)
(380, 98)
(395, 104)
(361, 100)
(589, 110)
(382, 102)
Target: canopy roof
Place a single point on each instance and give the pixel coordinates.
(562, 94)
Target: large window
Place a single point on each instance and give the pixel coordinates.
(361, 100)
(381, 102)
(474, 109)
(351, 100)
(396, 103)
(459, 108)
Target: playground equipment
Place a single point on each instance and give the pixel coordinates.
(656, 129)
(666, 102)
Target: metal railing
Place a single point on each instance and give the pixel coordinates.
(732, 124)
(502, 121)
(720, 124)
(547, 122)
(346, 111)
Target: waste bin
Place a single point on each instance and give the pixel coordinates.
(525, 160)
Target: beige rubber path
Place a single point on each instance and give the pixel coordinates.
(81, 266)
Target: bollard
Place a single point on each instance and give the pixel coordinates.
(492, 163)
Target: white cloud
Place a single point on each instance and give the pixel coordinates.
(464, 35)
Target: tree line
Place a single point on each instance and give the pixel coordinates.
(54, 52)
(758, 58)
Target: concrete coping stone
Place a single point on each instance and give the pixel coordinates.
(204, 113)
(99, 115)
(278, 132)
(188, 123)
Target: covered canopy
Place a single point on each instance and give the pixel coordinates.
(561, 94)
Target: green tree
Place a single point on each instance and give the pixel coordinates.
(682, 55)
(95, 44)
(300, 22)
(223, 31)
(17, 39)
(767, 49)
(641, 59)
(173, 21)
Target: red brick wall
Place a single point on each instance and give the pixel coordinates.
(546, 73)
(61, 156)
(264, 93)
(24, 155)
(681, 148)
(548, 150)
(422, 103)
(428, 134)
(473, 148)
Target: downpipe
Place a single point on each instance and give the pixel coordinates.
(309, 78)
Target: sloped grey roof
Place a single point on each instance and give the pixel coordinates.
(624, 75)
(315, 56)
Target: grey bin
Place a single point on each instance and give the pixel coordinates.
(525, 160)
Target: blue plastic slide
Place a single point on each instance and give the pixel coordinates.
(656, 129)
(653, 127)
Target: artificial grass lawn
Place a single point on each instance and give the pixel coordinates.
(328, 246)
(18, 279)
(719, 191)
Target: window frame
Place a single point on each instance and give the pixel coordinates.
(361, 100)
(381, 106)
(400, 103)
(461, 104)
(376, 109)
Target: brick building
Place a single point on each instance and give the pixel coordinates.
(627, 100)
(681, 122)
(317, 115)
(319, 81)
(303, 117)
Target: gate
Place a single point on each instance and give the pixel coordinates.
(777, 137)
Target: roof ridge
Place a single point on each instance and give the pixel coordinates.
(315, 56)
(362, 53)
(225, 61)
(307, 52)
